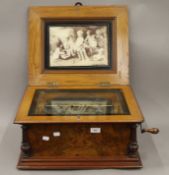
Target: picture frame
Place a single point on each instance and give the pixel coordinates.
(117, 72)
(78, 45)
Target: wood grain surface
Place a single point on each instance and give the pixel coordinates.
(39, 76)
(77, 147)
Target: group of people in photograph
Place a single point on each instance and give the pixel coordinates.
(79, 44)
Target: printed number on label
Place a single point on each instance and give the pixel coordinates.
(95, 130)
(56, 134)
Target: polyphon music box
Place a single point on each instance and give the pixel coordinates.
(79, 111)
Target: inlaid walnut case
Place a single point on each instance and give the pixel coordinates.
(56, 132)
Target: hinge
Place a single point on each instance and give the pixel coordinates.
(104, 84)
(52, 84)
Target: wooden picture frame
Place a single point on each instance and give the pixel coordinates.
(117, 73)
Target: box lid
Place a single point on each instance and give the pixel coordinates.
(78, 46)
(116, 104)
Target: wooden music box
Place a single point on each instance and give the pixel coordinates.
(79, 111)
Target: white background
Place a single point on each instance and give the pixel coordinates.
(149, 65)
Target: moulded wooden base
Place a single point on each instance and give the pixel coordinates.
(122, 162)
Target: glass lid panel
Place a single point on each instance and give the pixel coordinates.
(52, 102)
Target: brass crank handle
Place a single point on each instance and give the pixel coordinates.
(151, 130)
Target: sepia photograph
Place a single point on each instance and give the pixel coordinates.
(78, 45)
